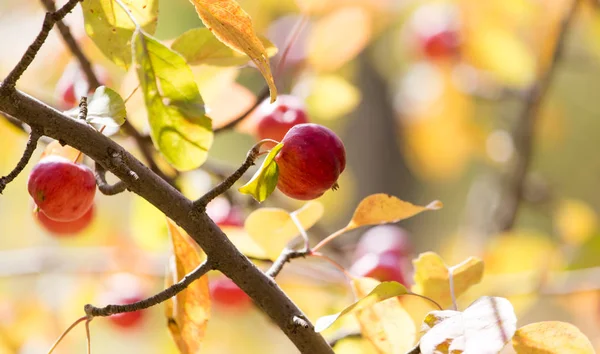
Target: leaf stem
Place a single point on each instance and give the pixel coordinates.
(60, 338)
(334, 263)
(131, 17)
(329, 238)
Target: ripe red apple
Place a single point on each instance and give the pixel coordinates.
(55, 148)
(66, 228)
(224, 292)
(436, 30)
(385, 267)
(276, 119)
(442, 44)
(384, 239)
(127, 319)
(73, 84)
(310, 161)
(63, 190)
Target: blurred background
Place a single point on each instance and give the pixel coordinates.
(463, 101)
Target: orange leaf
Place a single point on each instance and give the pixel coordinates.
(233, 26)
(188, 314)
(386, 324)
(382, 208)
(551, 337)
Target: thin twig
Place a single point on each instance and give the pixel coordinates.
(104, 187)
(263, 94)
(285, 256)
(49, 21)
(523, 132)
(78, 321)
(34, 136)
(164, 295)
(71, 43)
(230, 180)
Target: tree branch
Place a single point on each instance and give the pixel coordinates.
(285, 256)
(523, 132)
(261, 288)
(230, 180)
(34, 136)
(49, 21)
(105, 187)
(92, 311)
(261, 97)
(71, 43)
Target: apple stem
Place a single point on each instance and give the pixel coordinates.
(426, 298)
(330, 238)
(87, 336)
(78, 321)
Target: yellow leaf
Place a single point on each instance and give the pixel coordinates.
(575, 221)
(331, 97)
(188, 314)
(383, 208)
(386, 324)
(338, 37)
(551, 337)
(432, 277)
(273, 228)
(233, 26)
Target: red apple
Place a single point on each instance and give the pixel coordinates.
(385, 267)
(73, 84)
(383, 239)
(276, 119)
(224, 214)
(224, 292)
(67, 228)
(436, 30)
(63, 190)
(310, 161)
(127, 319)
(443, 44)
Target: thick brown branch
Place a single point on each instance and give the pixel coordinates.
(230, 180)
(261, 97)
(104, 187)
(49, 21)
(34, 136)
(523, 132)
(164, 295)
(71, 43)
(261, 288)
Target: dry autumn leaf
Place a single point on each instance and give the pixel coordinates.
(273, 228)
(383, 208)
(233, 26)
(432, 277)
(187, 314)
(551, 337)
(386, 324)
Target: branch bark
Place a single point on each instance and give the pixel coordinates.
(34, 136)
(142, 181)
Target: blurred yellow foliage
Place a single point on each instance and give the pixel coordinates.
(575, 221)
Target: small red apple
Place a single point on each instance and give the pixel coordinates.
(66, 228)
(442, 44)
(385, 267)
(73, 84)
(310, 161)
(383, 239)
(63, 190)
(276, 119)
(127, 319)
(224, 292)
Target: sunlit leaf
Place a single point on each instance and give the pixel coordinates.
(273, 228)
(551, 337)
(200, 46)
(383, 208)
(233, 26)
(382, 291)
(386, 324)
(432, 277)
(111, 29)
(264, 181)
(179, 127)
(484, 327)
(187, 316)
(338, 37)
(106, 107)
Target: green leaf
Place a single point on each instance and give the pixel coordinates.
(200, 46)
(264, 181)
(179, 127)
(106, 107)
(383, 291)
(107, 24)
